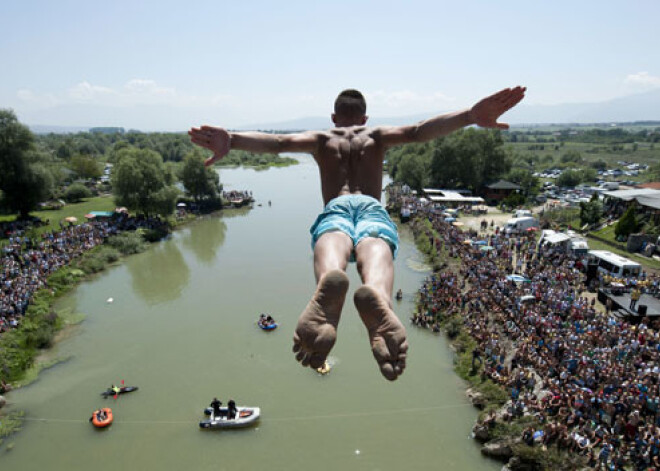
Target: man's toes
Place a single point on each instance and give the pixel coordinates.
(300, 355)
(387, 370)
(316, 360)
(380, 351)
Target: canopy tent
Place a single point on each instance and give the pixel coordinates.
(181, 205)
(486, 248)
(450, 219)
(71, 219)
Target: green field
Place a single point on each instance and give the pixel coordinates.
(77, 210)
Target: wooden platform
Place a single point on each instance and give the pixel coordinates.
(621, 304)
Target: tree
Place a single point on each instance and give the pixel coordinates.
(571, 156)
(199, 181)
(77, 192)
(627, 224)
(469, 159)
(24, 181)
(570, 178)
(139, 183)
(414, 170)
(592, 211)
(86, 166)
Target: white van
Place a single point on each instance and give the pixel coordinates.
(520, 224)
(522, 213)
(613, 264)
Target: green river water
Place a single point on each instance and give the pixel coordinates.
(182, 328)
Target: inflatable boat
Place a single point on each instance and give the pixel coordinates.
(245, 416)
(101, 418)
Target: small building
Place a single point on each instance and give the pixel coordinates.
(451, 197)
(500, 190)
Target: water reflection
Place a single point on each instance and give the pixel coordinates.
(160, 274)
(205, 239)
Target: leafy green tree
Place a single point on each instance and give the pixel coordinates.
(592, 211)
(77, 192)
(570, 178)
(414, 170)
(24, 181)
(199, 181)
(524, 178)
(470, 159)
(139, 182)
(86, 166)
(628, 223)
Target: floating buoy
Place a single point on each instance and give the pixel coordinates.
(357, 452)
(109, 301)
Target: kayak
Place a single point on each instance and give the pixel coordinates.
(122, 390)
(245, 417)
(98, 420)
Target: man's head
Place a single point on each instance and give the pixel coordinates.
(350, 109)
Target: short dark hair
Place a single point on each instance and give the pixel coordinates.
(350, 103)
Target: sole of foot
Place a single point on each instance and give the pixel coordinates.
(316, 331)
(387, 334)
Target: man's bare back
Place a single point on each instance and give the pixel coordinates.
(350, 159)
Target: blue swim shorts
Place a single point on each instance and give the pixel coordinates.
(357, 216)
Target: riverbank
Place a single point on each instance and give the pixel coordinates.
(498, 429)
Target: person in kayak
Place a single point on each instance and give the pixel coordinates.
(215, 404)
(115, 389)
(354, 226)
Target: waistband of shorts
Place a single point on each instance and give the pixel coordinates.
(354, 198)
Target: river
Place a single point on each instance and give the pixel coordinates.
(182, 327)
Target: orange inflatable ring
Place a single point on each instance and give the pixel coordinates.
(102, 423)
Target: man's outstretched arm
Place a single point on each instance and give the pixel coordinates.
(485, 114)
(220, 142)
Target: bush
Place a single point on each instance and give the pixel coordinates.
(128, 243)
(76, 192)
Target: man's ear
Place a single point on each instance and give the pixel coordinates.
(334, 118)
(364, 120)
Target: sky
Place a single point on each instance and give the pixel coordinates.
(168, 65)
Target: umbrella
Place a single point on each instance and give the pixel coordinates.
(457, 223)
(71, 219)
(480, 242)
(450, 219)
(181, 205)
(486, 248)
(532, 229)
(467, 242)
(517, 278)
(90, 216)
(122, 209)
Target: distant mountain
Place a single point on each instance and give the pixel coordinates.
(46, 129)
(639, 107)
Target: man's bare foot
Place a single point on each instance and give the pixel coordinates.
(316, 331)
(386, 333)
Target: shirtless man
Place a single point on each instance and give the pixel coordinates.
(354, 225)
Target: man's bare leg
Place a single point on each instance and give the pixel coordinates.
(316, 331)
(374, 303)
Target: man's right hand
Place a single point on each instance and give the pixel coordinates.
(217, 140)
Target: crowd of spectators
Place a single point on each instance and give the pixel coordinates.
(27, 262)
(589, 380)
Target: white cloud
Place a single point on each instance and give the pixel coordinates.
(135, 92)
(642, 80)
